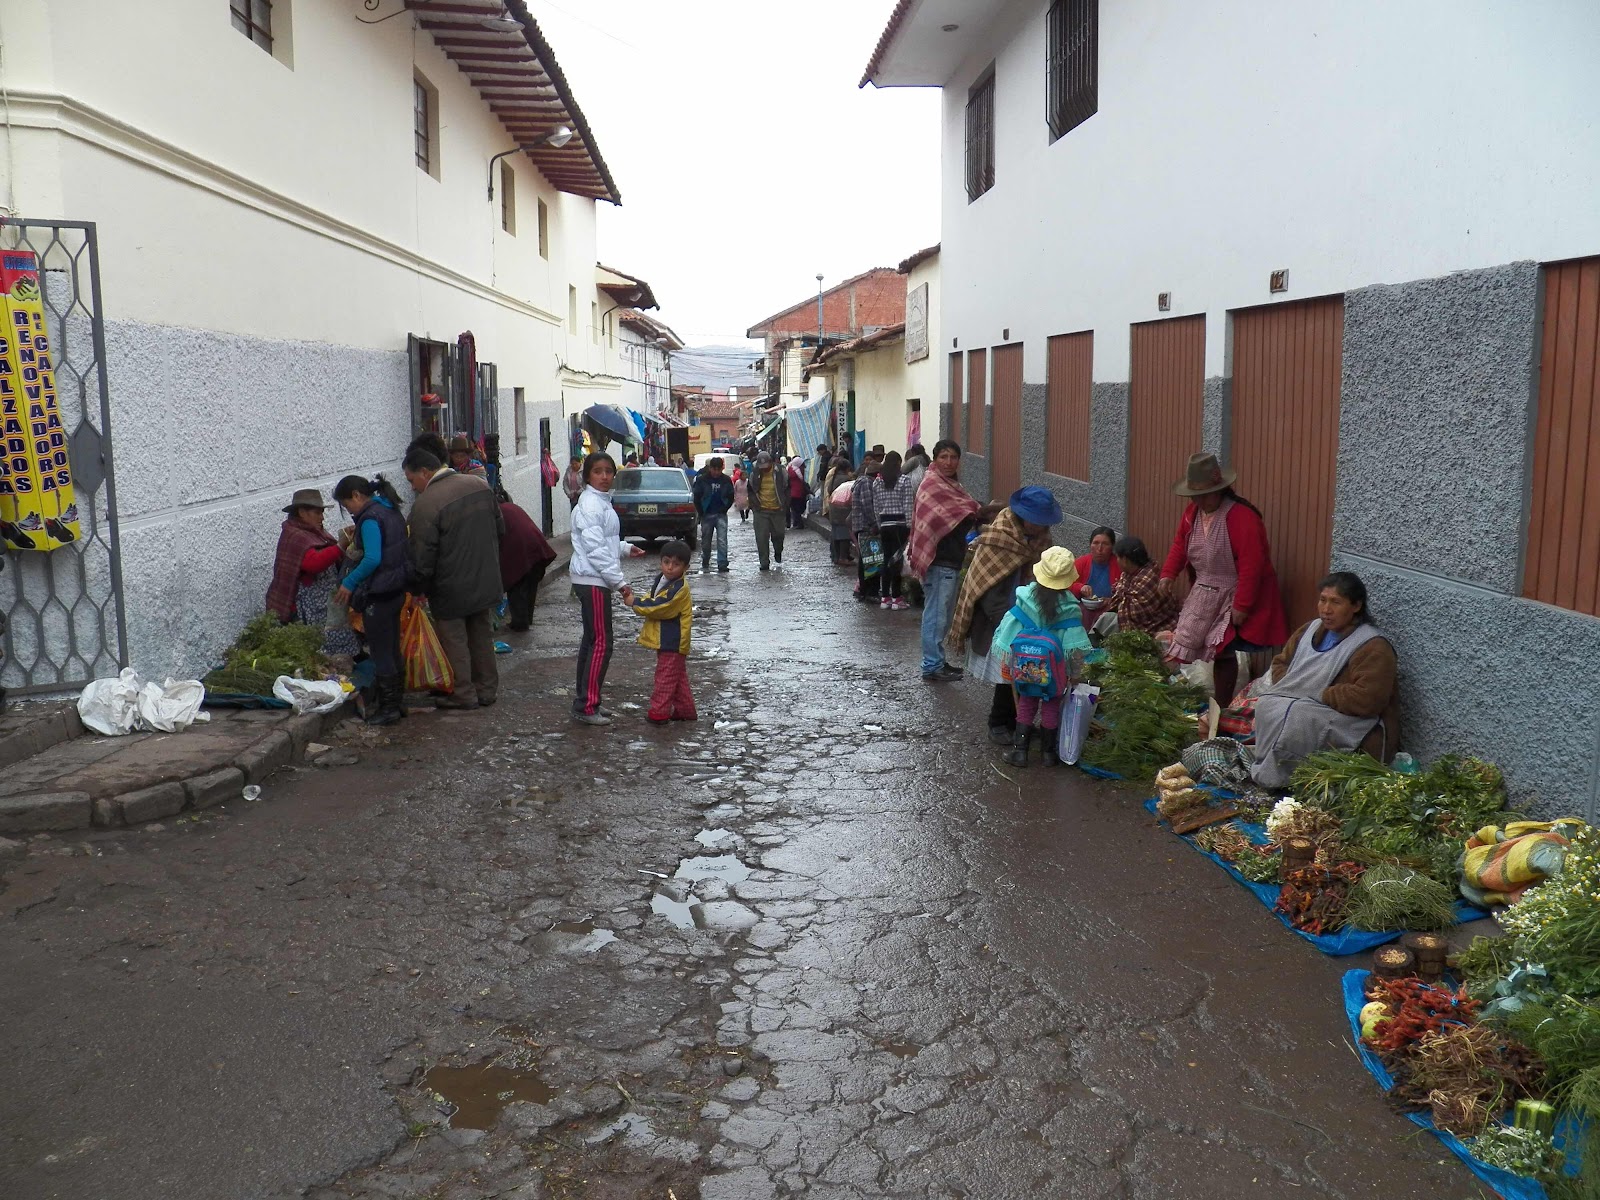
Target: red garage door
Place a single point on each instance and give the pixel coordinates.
(1005, 473)
(1166, 393)
(1286, 361)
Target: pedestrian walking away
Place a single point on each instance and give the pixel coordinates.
(525, 555)
(769, 499)
(1002, 557)
(454, 558)
(799, 492)
(713, 497)
(836, 490)
(892, 498)
(943, 516)
(667, 609)
(376, 586)
(1034, 639)
(596, 572)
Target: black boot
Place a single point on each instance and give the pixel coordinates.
(386, 706)
(1048, 745)
(1017, 756)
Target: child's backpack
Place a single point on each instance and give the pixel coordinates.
(1038, 663)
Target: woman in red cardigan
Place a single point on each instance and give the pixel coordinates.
(1235, 603)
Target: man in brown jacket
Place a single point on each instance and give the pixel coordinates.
(454, 558)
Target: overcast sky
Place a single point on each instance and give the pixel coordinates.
(747, 158)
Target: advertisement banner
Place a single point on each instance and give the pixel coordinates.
(38, 510)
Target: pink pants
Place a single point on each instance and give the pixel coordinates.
(1048, 712)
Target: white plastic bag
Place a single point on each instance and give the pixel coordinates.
(308, 695)
(173, 706)
(111, 706)
(126, 703)
(1077, 711)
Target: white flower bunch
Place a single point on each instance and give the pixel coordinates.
(1283, 813)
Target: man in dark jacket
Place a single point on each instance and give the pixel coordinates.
(713, 500)
(454, 558)
(524, 555)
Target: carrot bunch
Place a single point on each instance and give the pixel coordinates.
(1417, 1009)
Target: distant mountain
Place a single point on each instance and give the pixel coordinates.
(715, 367)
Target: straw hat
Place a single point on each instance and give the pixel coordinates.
(1057, 569)
(1205, 475)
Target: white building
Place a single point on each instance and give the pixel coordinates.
(646, 346)
(1339, 245)
(301, 206)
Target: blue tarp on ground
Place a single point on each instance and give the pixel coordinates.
(1504, 1183)
(1346, 941)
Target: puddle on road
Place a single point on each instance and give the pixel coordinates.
(685, 914)
(480, 1093)
(714, 838)
(724, 812)
(902, 1049)
(725, 867)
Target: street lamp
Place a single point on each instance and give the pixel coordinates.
(557, 137)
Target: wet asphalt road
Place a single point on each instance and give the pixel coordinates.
(939, 977)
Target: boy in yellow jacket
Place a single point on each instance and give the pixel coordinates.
(667, 609)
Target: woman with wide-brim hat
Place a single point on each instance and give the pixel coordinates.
(1235, 603)
(305, 571)
(1002, 555)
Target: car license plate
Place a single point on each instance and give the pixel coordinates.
(644, 509)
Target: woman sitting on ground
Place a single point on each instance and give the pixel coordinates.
(1333, 687)
(1139, 602)
(305, 572)
(1098, 571)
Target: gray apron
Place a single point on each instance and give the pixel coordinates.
(1291, 722)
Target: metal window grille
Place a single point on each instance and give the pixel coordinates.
(253, 18)
(1074, 48)
(423, 126)
(980, 138)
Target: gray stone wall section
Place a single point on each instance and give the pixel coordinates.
(212, 434)
(1215, 417)
(944, 422)
(1508, 679)
(1435, 406)
(1103, 498)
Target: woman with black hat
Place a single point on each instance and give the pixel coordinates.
(1235, 604)
(304, 571)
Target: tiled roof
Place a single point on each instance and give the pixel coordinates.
(917, 259)
(516, 73)
(896, 18)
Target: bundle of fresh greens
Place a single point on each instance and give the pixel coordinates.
(266, 649)
(1392, 896)
(1142, 721)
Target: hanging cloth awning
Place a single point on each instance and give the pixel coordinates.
(769, 429)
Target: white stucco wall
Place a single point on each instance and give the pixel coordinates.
(1351, 144)
(924, 379)
(267, 242)
(881, 395)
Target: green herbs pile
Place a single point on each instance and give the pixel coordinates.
(1387, 844)
(266, 649)
(1540, 986)
(1142, 721)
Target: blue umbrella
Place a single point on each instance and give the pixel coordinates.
(610, 421)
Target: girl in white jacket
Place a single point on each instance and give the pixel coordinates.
(596, 571)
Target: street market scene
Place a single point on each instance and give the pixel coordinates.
(1048, 655)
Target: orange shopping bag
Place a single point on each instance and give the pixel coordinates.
(427, 668)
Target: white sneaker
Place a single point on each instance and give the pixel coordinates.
(885, 603)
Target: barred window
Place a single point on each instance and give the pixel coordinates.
(1074, 48)
(253, 18)
(425, 105)
(980, 137)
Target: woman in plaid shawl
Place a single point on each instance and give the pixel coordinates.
(1005, 549)
(305, 571)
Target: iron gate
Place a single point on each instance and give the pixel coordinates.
(64, 613)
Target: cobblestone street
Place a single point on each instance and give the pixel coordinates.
(819, 944)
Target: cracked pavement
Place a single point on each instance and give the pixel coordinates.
(939, 976)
